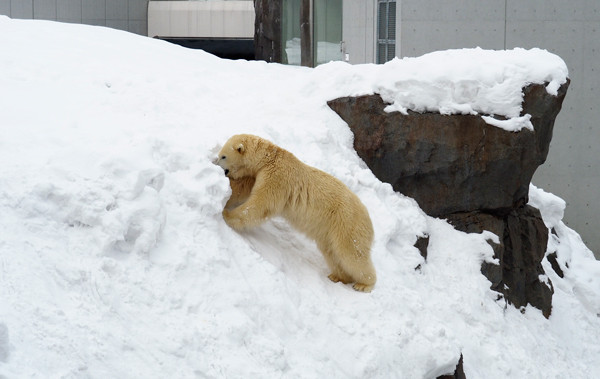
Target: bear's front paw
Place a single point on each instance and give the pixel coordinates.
(334, 278)
(231, 220)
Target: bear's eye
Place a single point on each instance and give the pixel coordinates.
(223, 157)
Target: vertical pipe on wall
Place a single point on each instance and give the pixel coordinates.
(306, 34)
(398, 29)
(505, 22)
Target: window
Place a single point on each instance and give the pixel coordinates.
(322, 43)
(386, 30)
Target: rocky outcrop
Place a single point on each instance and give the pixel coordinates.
(452, 163)
(474, 174)
(459, 372)
(523, 241)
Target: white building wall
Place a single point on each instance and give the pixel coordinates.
(128, 15)
(429, 25)
(226, 19)
(570, 29)
(358, 30)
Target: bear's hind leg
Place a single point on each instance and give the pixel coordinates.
(337, 273)
(357, 265)
(364, 277)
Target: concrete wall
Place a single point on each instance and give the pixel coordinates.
(570, 29)
(358, 30)
(231, 19)
(129, 15)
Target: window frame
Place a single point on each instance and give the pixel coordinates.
(388, 41)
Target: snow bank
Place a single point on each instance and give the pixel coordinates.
(115, 260)
(581, 269)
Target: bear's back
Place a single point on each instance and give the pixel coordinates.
(320, 204)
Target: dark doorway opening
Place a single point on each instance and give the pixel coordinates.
(228, 48)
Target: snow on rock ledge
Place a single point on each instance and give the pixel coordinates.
(470, 81)
(460, 81)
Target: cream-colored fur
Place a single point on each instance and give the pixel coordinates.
(267, 180)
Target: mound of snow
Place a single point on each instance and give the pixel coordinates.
(115, 260)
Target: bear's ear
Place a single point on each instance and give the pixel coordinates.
(241, 148)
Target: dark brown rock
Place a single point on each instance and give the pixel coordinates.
(523, 241)
(459, 372)
(452, 163)
(422, 244)
(543, 109)
(476, 175)
(553, 259)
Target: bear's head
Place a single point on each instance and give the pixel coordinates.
(238, 156)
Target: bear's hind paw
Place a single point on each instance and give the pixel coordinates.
(360, 287)
(337, 278)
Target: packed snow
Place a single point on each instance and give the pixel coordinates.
(115, 260)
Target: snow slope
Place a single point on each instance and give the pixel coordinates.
(115, 260)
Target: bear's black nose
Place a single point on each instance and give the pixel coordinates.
(226, 172)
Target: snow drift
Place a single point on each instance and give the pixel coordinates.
(115, 260)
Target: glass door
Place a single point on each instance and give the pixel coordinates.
(290, 30)
(321, 39)
(328, 31)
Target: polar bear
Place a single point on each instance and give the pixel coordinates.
(267, 181)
